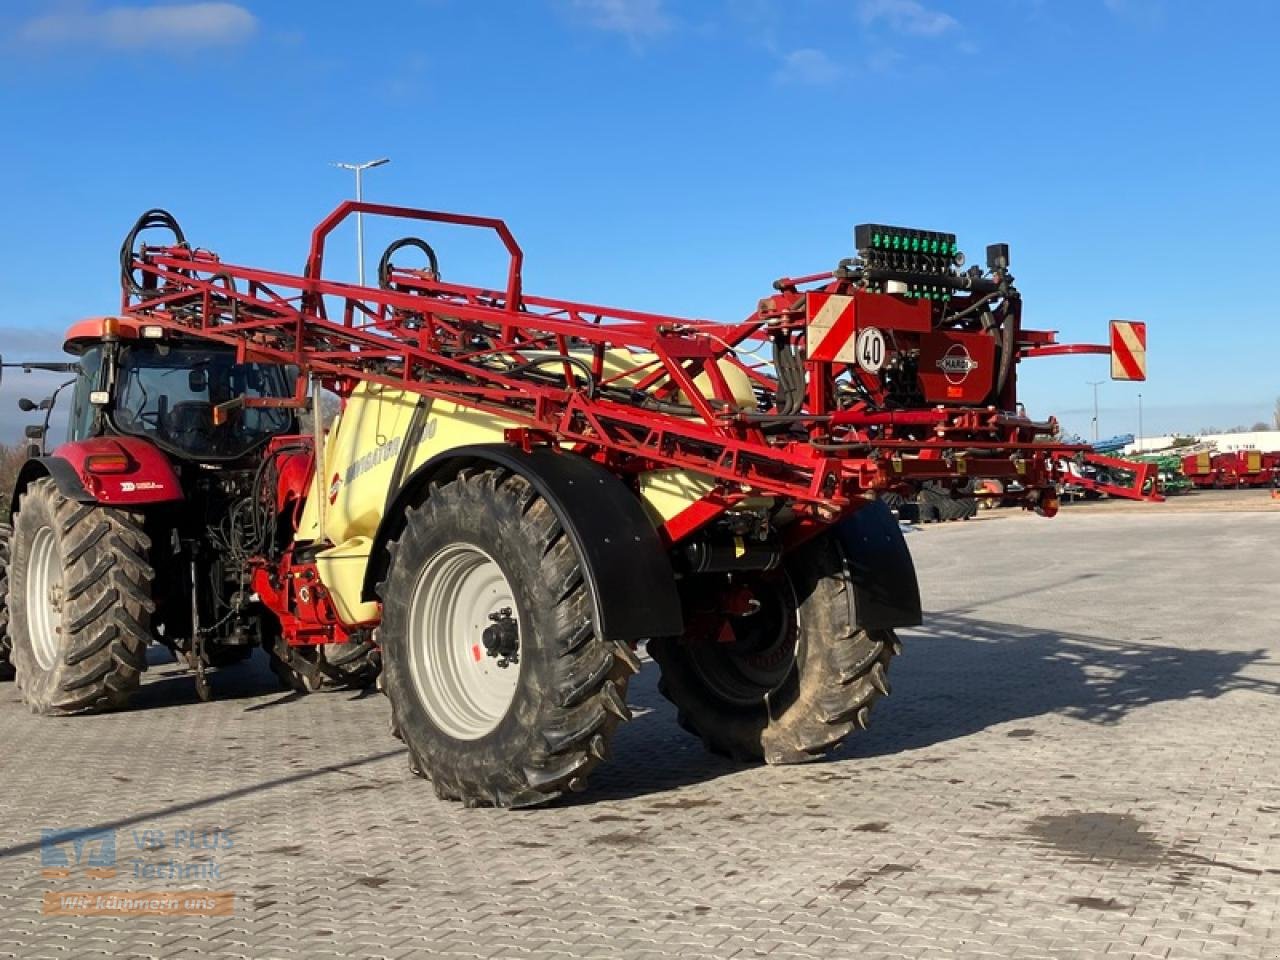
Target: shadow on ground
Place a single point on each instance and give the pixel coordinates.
(169, 684)
(959, 675)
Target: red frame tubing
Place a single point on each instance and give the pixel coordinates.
(290, 589)
(476, 347)
(1135, 490)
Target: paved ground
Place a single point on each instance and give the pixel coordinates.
(1079, 759)
(1222, 501)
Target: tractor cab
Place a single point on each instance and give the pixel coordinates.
(191, 399)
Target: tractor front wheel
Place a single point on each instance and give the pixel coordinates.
(79, 602)
(774, 668)
(500, 687)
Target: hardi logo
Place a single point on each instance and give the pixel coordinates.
(956, 364)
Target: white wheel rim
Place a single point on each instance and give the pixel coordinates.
(44, 598)
(461, 687)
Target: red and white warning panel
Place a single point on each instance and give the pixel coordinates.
(1128, 350)
(831, 327)
(836, 320)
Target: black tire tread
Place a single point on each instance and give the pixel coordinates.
(586, 700)
(844, 674)
(107, 608)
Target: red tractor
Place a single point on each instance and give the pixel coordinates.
(143, 497)
(515, 492)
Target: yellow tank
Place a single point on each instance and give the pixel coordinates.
(366, 442)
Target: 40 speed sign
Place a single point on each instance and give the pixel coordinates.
(869, 349)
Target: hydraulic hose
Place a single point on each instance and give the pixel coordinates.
(384, 265)
(151, 220)
(790, 371)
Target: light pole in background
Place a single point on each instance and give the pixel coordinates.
(1095, 384)
(1140, 423)
(359, 169)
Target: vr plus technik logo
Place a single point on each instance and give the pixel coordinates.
(91, 851)
(157, 857)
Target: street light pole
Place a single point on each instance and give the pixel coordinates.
(1139, 423)
(359, 169)
(1095, 384)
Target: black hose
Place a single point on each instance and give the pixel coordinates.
(977, 305)
(580, 364)
(151, 220)
(384, 265)
(1007, 350)
(790, 369)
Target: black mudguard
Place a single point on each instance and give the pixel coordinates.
(885, 592)
(63, 474)
(633, 588)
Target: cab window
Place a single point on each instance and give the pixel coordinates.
(80, 423)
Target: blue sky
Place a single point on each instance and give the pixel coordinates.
(678, 156)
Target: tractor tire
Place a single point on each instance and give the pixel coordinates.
(893, 500)
(966, 505)
(6, 665)
(939, 502)
(790, 687)
(935, 503)
(332, 666)
(80, 602)
(500, 687)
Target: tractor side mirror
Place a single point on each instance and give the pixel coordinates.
(26, 406)
(198, 380)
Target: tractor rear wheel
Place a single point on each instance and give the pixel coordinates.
(499, 685)
(80, 602)
(789, 679)
(6, 666)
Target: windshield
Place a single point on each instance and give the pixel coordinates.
(168, 393)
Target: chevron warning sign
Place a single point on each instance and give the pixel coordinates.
(830, 327)
(1128, 350)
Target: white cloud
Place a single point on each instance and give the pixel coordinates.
(136, 28)
(906, 16)
(634, 18)
(809, 66)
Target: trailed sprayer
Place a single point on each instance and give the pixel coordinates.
(487, 499)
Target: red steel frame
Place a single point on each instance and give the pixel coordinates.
(1143, 486)
(477, 347)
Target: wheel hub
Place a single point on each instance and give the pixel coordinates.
(753, 651)
(44, 598)
(502, 639)
(464, 640)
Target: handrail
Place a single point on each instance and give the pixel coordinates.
(315, 259)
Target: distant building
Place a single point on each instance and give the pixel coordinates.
(1267, 441)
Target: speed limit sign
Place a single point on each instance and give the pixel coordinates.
(869, 349)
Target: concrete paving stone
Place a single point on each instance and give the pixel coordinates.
(1077, 761)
